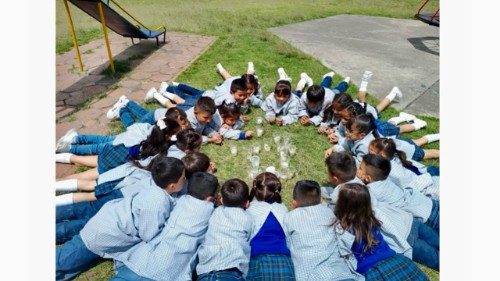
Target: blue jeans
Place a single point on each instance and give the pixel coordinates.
(425, 243)
(70, 219)
(132, 111)
(89, 144)
(222, 275)
(433, 220)
(340, 88)
(186, 92)
(125, 273)
(72, 258)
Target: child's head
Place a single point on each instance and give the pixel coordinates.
(188, 140)
(234, 193)
(230, 113)
(179, 115)
(239, 90)
(315, 95)
(306, 193)
(354, 213)
(251, 82)
(340, 102)
(204, 109)
(373, 168)
(167, 173)
(282, 91)
(159, 139)
(360, 126)
(386, 148)
(195, 162)
(341, 167)
(203, 186)
(266, 187)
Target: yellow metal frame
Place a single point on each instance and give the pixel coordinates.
(105, 30)
(140, 23)
(73, 34)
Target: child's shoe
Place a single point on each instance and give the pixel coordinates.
(114, 112)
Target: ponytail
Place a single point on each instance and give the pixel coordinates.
(159, 140)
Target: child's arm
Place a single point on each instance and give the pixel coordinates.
(293, 113)
(229, 133)
(267, 107)
(257, 99)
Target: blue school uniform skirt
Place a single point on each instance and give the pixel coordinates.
(386, 129)
(271, 267)
(112, 156)
(395, 268)
(419, 153)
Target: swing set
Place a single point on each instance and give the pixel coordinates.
(431, 18)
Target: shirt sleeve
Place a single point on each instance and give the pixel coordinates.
(149, 215)
(293, 113)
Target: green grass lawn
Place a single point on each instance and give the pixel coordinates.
(242, 36)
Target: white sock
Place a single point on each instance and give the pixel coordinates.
(65, 199)
(364, 80)
(169, 95)
(391, 96)
(395, 92)
(432, 137)
(160, 98)
(301, 84)
(250, 68)
(347, 79)
(175, 83)
(63, 157)
(67, 185)
(219, 68)
(396, 120)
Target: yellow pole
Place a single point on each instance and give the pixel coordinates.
(73, 35)
(103, 21)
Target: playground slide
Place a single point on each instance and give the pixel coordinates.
(115, 21)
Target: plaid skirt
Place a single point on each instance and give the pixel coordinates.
(395, 268)
(386, 129)
(112, 156)
(271, 267)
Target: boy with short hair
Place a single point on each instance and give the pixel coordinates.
(281, 107)
(310, 235)
(200, 117)
(225, 253)
(171, 255)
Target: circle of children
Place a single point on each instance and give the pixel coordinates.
(152, 204)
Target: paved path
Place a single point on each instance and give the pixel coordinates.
(150, 65)
(403, 53)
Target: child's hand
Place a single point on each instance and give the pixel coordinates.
(322, 130)
(216, 138)
(249, 134)
(226, 126)
(212, 168)
(245, 118)
(332, 138)
(304, 120)
(329, 151)
(279, 121)
(271, 119)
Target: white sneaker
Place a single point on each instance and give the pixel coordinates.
(250, 68)
(367, 75)
(331, 74)
(398, 96)
(309, 81)
(407, 117)
(219, 67)
(419, 124)
(283, 75)
(150, 94)
(347, 79)
(114, 112)
(163, 87)
(64, 142)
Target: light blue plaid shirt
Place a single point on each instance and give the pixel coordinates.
(319, 110)
(407, 199)
(358, 148)
(259, 211)
(227, 242)
(311, 239)
(171, 255)
(424, 183)
(176, 152)
(289, 111)
(134, 134)
(206, 130)
(124, 222)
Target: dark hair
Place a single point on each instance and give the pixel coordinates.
(340, 101)
(229, 110)
(316, 93)
(342, 165)
(387, 148)
(251, 79)
(159, 139)
(307, 193)
(355, 109)
(238, 84)
(234, 193)
(354, 213)
(283, 88)
(364, 123)
(266, 187)
(205, 104)
(377, 166)
(165, 170)
(189, 140)
(176, 114)
(201, 185)
(195, 162)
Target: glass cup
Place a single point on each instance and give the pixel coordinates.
(259, 120)
(256, 149)
(260, 131)
(292, 149)
(276, 138)
(255, 161)
(267, 147)
(234, 149)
